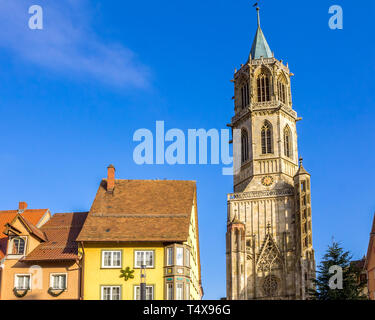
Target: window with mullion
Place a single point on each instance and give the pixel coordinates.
(170, 257)
(18, 246)
(263, 84)
(111, 293)
(111, 259)
(170, 291)
(244, 147)
(179, 291)
(59, 281)
(145, 258)
(149, 293)
(266, 137)
(23, 282)
(179, 256)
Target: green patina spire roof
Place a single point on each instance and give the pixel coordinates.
(260, 47)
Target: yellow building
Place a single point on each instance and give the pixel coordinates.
(141, 225)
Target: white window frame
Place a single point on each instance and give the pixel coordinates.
(11, 244)
(170, 256)
(58, 274)
(187, 291)
(182, 290)
(171, 287)
(178, 263)
(111, 287)
(147, 286)
(111, 266)
(144, 251)
(22, 275)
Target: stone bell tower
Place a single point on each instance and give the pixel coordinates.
(269, 249)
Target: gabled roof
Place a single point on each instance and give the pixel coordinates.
(33, 230)
(141, 210)
(260, 47)
(61, 232)
(34, 216)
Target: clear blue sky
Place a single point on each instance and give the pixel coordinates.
(72, 95)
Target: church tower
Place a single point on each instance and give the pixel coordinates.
(269, 252)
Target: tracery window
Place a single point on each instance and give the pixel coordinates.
(263, 88)
(287, 142)
(266, 136)
(282, 92)
(245, 95)
(244, 146)
(270, 286)
(282, 86)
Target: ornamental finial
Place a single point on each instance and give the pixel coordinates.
(257, 8)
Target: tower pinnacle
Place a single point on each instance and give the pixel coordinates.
(260, 47)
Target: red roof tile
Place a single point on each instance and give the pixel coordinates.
(141, 210)
(7, 216)
(34, 230)
(61, 232)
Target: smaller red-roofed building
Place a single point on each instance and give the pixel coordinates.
(42, 263)
(37, 217)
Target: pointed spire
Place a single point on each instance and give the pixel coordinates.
(260, 47)
(258, 17)
(301, 169)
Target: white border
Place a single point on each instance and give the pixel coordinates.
(102, 289)
(111, 267)
(23, 274)
(58, 274)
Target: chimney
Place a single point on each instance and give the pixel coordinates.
(22, 206)
(111, 178)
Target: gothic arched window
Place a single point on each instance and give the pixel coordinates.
(245, 95)
(267, 138)
(244, 146)
(282, 89)
(288, 152)
(263, 87)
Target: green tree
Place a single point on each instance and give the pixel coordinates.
(352, 286)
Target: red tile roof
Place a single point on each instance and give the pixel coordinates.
(141, 210)
(61, 232)
(33, 229)
(7, 216)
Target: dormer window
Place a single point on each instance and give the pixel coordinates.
(18, 246)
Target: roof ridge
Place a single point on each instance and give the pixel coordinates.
(72, 212)
(137, 215)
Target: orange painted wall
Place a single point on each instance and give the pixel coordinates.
(40, 280)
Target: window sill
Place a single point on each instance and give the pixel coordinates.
(15, 256)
